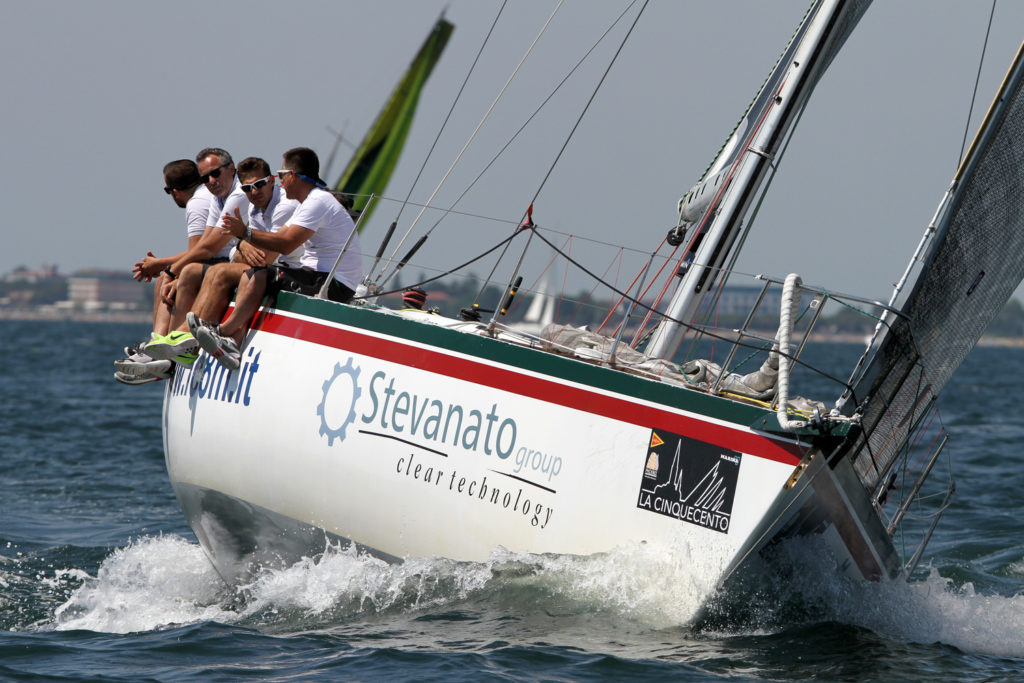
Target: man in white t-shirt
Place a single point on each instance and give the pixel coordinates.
(184, 185)
(182, 182)
(320, 224)
(269, 211)
(185, 276)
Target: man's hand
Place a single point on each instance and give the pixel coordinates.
(168, 291)
(252, 254)
(233, 224)
(147, 268)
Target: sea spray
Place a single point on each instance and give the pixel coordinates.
(151, 583)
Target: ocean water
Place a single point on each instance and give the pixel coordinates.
(101, 579)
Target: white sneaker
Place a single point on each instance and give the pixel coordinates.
(140, 364)
(223, 349)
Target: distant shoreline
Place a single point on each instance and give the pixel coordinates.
(78, 316)
(143, 317)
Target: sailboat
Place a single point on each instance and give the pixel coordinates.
(412, 434)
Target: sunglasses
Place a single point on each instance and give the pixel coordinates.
(283, 172)
(169, 190)
(258, 185)
(215, 173)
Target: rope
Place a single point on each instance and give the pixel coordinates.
(790, 304)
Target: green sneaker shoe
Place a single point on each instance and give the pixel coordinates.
(186, 358)
(171, 345)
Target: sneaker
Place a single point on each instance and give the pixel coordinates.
(223, 349)
(171, 345)
(195, 322)
(187, 358)
(130, 351)
(140, 363)
(125, 378)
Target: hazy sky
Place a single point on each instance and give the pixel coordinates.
(97, 96)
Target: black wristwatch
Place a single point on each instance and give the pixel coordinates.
(169, 273)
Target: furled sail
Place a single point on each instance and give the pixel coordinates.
(717, 205)
(377, 155)
(974, 263)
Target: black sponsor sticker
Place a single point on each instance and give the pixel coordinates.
(690, 480)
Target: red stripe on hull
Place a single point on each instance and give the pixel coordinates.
(550, 391)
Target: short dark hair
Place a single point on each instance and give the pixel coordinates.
(224, 157)
(253, 166)
(303, 161)
(182, 174)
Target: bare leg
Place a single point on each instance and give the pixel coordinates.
(219, 283)
(189, 281)
(161, 312)
(251, 289)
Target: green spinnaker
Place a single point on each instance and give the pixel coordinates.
(377, 155)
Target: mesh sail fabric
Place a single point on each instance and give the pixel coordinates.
(975, 264)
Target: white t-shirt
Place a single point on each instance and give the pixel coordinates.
(197, 210)
(279, 210)
(236, 199)
(321, 212)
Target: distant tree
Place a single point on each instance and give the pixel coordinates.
(1009, 322)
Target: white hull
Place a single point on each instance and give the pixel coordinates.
(333, 426)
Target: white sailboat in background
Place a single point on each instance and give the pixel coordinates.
(414, 435)
(541, 312)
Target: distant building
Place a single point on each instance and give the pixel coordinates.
(22, 274)
(90, 289)
(740, 300)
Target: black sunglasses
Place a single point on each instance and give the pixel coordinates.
(215, 173)
(169, 190)
(258, 185)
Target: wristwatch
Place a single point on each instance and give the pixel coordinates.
(170, 273)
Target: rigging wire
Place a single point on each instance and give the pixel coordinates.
(452, 270)
(534, 114)
(472, 136)
(575, 127)
(458, 96)
(682, 323)
(526, 123)
(977, 80)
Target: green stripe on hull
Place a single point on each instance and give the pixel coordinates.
(531, 360)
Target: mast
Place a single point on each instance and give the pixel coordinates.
(719, 203)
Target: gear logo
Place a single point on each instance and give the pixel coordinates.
(341, 392)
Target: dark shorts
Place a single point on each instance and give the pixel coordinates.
(212, 262)
(302, 281)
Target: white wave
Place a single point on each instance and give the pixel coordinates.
(152, 583)
(935, 610)
(158, 582)
(344, 582)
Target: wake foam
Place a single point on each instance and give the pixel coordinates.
(160, 582)
(805, 587)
